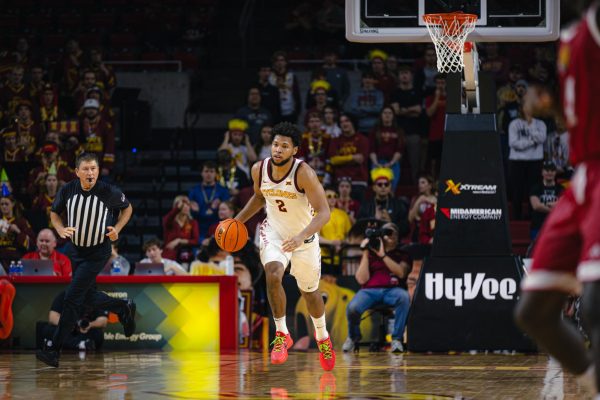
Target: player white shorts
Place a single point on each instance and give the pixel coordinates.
(306, 260)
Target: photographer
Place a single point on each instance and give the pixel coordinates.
(384, 206)
(382, 272)
(86, 335)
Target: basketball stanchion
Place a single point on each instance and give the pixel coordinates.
(468, 287)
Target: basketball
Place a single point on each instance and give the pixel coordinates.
(231, 235)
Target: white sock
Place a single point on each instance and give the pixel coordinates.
(280, 325)
(320, 327)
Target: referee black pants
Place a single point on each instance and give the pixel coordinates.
(87, 264)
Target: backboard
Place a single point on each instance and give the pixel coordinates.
(377, 21)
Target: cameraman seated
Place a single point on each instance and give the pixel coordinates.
(382, 273)
(87, 335)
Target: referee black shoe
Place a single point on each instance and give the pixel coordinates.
(128, 318)
(49, 357)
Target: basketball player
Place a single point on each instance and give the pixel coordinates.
(291, 191)
(568, 251)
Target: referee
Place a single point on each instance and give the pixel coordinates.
(91, 208)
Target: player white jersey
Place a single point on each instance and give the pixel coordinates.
(288, 209)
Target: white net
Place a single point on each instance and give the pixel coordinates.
(449, 32)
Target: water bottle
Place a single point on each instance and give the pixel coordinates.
(12, 269)
(20, 268)
(116, 267)
(229, 265)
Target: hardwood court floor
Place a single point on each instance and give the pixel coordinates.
(163, 375)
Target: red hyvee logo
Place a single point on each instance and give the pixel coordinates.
(477, 214)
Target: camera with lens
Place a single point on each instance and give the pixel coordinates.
(83, 323)
(375, 235)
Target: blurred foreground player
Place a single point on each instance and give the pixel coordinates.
(296, 210)
(568, 252)
(96, 212)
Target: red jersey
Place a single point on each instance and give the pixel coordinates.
(578, 58)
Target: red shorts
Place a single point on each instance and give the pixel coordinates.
(569, 243)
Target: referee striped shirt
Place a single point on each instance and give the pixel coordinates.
(89, 212)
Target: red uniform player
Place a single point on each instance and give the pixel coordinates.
(568, 252)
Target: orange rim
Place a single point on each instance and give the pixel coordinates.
(446, 21)
(448, 17)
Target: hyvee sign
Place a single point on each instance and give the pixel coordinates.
(466, 288)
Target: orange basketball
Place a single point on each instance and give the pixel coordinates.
(231, 235)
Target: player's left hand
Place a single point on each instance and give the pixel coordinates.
(112, 234)
(292, 244)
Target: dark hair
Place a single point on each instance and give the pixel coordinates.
(87, 157)
(152, 242)
(210, 164)
(439, 76)
(277, 54)
(350, 117)
(405, 68)
(288, 129)
(259, 143)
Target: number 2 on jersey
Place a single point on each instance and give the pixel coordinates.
(281, 205)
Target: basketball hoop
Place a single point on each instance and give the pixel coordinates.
(449, 32)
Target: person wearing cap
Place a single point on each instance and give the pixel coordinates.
(106, 112)
(97, 135)
(384, 206)
(254, 113)
(238, 143)
(319, 80)
(50, 160)
(43, 202)
(12, 152)
(366, 103)
(384, 82)
(319, 92)
(543, 197)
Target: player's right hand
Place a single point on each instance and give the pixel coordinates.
(66, 232)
